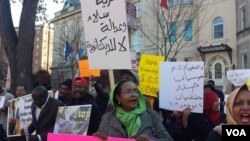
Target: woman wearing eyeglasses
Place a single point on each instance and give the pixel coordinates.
(131, 118)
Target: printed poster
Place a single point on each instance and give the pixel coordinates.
(73, 119)
(19, 115)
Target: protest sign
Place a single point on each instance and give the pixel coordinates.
(181, 86)
(238, 77)
(73, 119)
(149, 74)
(65, 137)
(106, 34)
(19, 115)
(2, 99)
(85, 71)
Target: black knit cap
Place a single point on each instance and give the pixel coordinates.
(68, 83)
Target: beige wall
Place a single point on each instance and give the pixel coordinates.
(226, 10)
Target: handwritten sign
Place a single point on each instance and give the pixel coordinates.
(181, 86)
(238, 77)
(65, 137)
(106, 34)
(85, 71)
(20, 112)
(2, 99)
(73, 119)
(149, 74)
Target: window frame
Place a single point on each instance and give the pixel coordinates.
(217, 25)
(188, 30)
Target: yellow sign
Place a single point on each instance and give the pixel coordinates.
(85, 71)
(149, 74)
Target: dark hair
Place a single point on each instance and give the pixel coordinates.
(41, 91)
(211, 81)
(68, 83)
(46, 75)
(209, 86)
(118, 89)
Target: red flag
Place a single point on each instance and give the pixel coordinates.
(164, 4)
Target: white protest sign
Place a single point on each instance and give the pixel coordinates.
(238, 77)
(20, 111)
(106, 34)
(2, 99)
(181, 86)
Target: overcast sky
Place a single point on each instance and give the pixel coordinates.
(51, 9)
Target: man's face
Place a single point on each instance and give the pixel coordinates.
(65, 91)
(78, 89)
(20, 91)
(38, 99)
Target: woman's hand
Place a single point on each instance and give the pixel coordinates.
(218, 129)
(142, 138)
(186, 113)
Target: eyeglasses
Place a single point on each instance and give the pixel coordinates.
(134, 91)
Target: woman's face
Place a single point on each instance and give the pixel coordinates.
(241, 108)
(128, 96)
(215, 106)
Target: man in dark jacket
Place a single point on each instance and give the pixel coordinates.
(44, 111)
(65, 94)
(82, 97)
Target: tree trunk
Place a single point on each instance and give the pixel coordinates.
(19, 50)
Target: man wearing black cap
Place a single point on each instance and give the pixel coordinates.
(65, 92)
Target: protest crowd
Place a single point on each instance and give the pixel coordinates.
(161, 100)
(125, 112)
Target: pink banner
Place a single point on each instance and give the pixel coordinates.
(68, 137)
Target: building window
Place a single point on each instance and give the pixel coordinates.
(37, 46)
(209, 73)
(36, 54)
(173, 32)
(136, 41)
(244, 61)
(188, 30)
(218, 28)
(138, 9)
(180, 2)
(218, 70)
(65, 30)
(78, 25)
(171, 3)
(37, 39)
(243, 18)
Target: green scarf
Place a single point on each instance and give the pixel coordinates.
(131, 120)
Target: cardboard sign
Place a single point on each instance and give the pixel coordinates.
(85, 71)
(149, 74)
(238, 77)
(2, 99)
(20, 112)
(106, 34)
(181, 86)
(65, 137)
